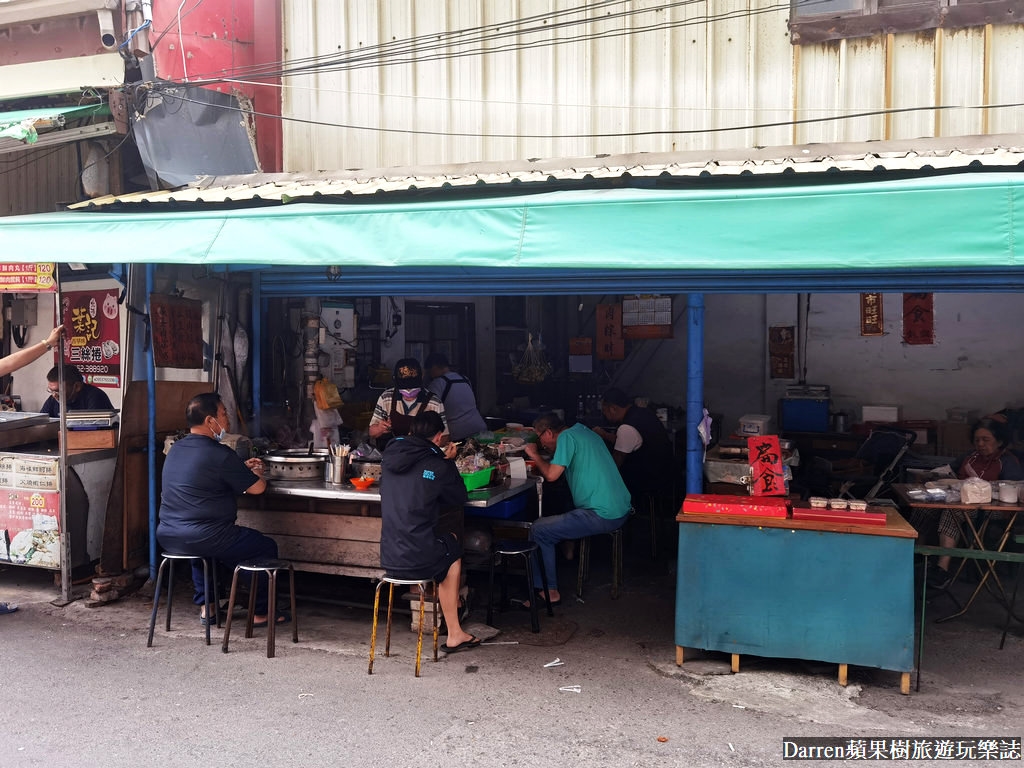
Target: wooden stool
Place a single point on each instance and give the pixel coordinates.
(423, 584)
(209, 564)
(528, 550)
(269, 567)
(583, 570)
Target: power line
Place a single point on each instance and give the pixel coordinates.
(626, 134)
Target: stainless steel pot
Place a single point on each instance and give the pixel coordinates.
(364, 468)
(295, 464)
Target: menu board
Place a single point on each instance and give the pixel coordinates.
(29, 511)
(177, 326)
(92, 335)
(24, 277)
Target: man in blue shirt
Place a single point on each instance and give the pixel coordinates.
(601, 498)
(198, 508)
(78, 395)
(456, 393)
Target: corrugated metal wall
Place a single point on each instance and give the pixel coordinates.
(644, 77)
(36, 181)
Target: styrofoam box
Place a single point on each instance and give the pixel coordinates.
(880, 413)
(755, 424)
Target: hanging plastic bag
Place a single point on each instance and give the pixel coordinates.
(326, 395)
(533, 367)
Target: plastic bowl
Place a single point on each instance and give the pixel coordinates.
(362, 483)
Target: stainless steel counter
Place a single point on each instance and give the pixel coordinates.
(318, 489)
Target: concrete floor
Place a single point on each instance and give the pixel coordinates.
(82, 689)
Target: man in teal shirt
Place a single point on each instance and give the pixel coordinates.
(600, 496)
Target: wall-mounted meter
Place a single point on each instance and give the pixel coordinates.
(338, 339)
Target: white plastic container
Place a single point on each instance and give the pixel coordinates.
(754, 424)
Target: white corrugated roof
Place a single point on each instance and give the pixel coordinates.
(1003, 151)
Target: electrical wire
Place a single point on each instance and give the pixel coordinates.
(622, 134)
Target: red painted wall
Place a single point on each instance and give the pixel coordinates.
(219, 38)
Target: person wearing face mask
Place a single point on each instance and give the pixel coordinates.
(198, 507)
(396, 407)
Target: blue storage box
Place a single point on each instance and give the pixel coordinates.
(510, 509)
(804, 414)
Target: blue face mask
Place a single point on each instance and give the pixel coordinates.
(219, 436)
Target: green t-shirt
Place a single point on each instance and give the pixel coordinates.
(590, 470)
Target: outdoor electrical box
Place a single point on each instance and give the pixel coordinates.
(338, 339)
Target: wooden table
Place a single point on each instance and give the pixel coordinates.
(799, 589)
(974, 538)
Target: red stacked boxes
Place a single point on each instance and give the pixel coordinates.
(753, 506)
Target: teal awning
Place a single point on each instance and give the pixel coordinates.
(24, 125)
(957, 222)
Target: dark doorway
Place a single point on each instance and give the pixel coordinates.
(444, 327)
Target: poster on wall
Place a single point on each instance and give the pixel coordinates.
(92, 335)
(782, 351)
(27, 277)
(177, 326)
(918, 318)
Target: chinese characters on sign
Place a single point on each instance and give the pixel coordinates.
(781, 351)
(610, 344)
(92, 335)
(177, 331)
(765, 458)
(27, 276)
(918, 318)
(871, 321)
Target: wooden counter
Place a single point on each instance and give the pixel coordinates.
(797, 589)
(326, 528)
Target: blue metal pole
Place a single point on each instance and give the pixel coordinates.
(694, 391)
(151, 442)
(255, 354)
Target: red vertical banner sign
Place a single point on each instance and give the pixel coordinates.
(610, 342)
(918, 318)
(92, 335)
(765, 458)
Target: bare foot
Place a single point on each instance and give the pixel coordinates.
(556, 598)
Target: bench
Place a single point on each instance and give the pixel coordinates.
(989, 556)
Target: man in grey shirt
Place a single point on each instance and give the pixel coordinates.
(455, 392)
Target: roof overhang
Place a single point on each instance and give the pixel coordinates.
(955, 225)
(61, 76)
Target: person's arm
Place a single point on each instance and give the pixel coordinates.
(23, 357)
(548, 471)
(256, 467)
(380, 424)
(627, 440)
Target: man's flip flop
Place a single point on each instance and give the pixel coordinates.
(465, 645)
(282, 618)
(7, 608)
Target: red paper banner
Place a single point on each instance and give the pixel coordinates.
(765, 458)
(92, 335)
(918, 318)
(610, 344)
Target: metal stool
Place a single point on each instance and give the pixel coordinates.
(391, 582)
(527, 550)
(269, 567)
(583, 570)
(209, 564)
(1013, 600)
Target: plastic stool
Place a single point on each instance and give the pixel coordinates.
(653, 502)
(583, 570)
(269, 567)
(209, 564)
(528, 550)
(391, 582)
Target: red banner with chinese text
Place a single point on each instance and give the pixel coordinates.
(918, 318)
(765, 458)
(92, 335)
